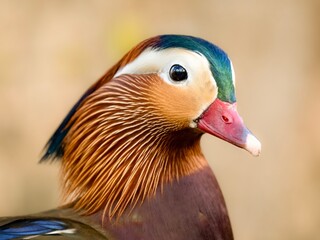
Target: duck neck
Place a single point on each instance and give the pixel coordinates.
(192, 207)
(126, 175)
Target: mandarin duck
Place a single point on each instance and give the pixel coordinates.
(131, 162)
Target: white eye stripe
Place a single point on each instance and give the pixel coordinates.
(160, 61)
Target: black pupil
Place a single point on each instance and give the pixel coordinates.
(178, 73)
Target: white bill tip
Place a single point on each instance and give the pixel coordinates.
(253, 145)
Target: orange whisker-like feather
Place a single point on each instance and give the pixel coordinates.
(119, 148)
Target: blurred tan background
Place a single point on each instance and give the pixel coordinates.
(52, 51)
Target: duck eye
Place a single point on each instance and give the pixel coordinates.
(178, 73)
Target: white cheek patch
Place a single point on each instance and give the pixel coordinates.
(160, 62)
(145, 63)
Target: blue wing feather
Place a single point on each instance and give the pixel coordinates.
(30, 227)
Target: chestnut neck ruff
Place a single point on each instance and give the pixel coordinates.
(120, 149)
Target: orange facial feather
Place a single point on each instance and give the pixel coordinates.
(120, 147)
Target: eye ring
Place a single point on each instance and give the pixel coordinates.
(178, 73)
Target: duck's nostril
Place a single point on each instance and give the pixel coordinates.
(226, 119)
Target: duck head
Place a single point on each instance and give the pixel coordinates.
(197, 88)
(140, 124)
